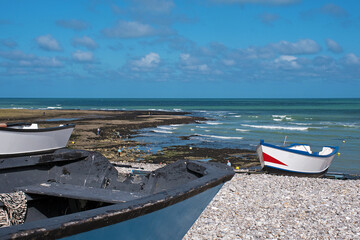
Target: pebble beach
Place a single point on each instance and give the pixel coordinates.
(262, 206)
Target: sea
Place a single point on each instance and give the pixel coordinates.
(237, 123)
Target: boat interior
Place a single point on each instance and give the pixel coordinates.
(71, 181)
(307, 148)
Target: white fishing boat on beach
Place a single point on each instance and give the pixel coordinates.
(28, 138)
(295, 159)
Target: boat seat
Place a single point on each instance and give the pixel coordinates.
(81, 192)
(304, 148)
(326, 151)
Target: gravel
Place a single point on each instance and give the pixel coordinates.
(261, 206)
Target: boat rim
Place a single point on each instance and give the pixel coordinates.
(335, 149)
(65, 126)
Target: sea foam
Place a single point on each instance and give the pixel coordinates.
(167, 127)
(219, 137)
(242, 130)
(276, 127)
(214, 123)
(162, 131)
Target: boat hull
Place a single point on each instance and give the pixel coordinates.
(171, 222)
(27, 141)
(281, 160)
(80, 195)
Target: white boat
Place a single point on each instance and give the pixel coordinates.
(295, 159)
(28, 138)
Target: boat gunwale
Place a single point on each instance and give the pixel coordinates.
(50, 129)
(335, 150)
(67, 225)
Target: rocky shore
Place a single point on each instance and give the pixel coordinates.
(261, 206)
(118, 129)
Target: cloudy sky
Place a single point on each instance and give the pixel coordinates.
(185, 48)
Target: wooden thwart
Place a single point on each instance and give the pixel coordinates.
(81, 192)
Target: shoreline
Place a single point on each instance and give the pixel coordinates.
(119, 127)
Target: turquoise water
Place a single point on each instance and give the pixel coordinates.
(240, 123)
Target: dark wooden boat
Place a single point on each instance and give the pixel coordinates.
(80, 195)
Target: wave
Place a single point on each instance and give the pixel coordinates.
(107, 109)
(279, 118)
(220, 137)
(301, 124)
(156, 109)
(214, 123)
(51, 108)
(277, 127)
(237, 116)
(340, 124)
(242, 130)
(162, 131)
(176, 125)
(167, 127)
(351, 125)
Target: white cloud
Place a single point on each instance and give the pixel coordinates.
(228, 62)
(191, 63)
(85, 41)
(333, 10)
(203, 67)
(125, 29)
(149, 61)
(184, 56)
(287, 62)
(48, 43)
(199, 68)
(351, 59)
(303, 46)
(81, 56)
(41, 62)
(8, 43)
(16, 55)
(333, 46)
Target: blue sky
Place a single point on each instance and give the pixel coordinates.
(166, 48)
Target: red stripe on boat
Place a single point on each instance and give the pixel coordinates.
(268, 158)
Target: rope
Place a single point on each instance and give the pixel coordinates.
(14, 210)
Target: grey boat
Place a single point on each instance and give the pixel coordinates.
(28, 138)
(78, 194)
